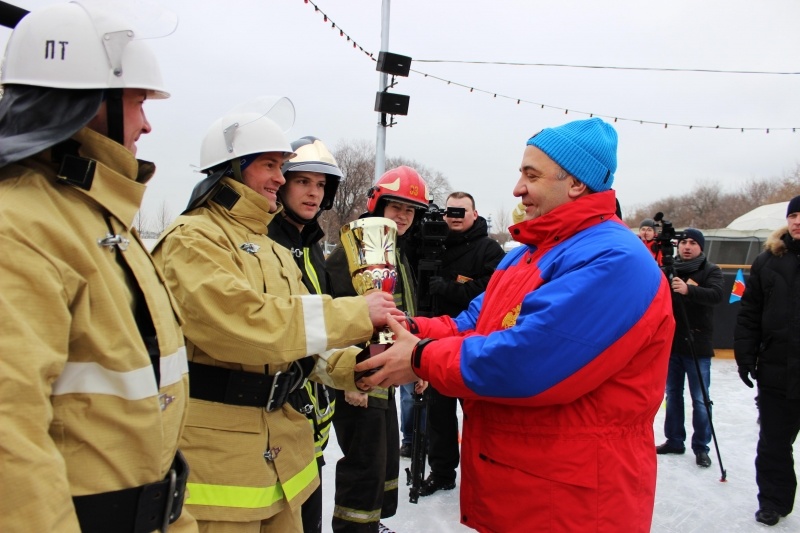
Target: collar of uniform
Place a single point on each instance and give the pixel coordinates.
(115, 185)
(251, 210)
(312, 232)
(565, 220)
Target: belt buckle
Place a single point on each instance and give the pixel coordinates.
(171, 494)
(271, 398)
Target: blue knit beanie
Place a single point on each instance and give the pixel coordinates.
(697, 236)
(587, 149)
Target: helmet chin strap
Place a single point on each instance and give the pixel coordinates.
(236, 165)
(114, 116)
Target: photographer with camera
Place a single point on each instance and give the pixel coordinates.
(697, 283)
(468, 261)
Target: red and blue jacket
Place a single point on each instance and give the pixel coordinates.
(562, 364)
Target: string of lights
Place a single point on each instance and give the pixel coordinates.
(606, 67)
(566, 111)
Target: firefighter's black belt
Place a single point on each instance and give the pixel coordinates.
(136, 510)
(234, 387)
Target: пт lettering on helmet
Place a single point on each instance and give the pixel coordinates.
(50, 49)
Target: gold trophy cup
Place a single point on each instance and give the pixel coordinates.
(370, 245)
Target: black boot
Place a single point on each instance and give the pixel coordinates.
(702, 459)
(663, 449)
(767, 516)
(432, 484)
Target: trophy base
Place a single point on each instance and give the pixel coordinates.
(373, 348)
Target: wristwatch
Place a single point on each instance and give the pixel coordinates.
(416, 353)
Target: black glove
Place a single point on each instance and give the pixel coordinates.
(746, 372)
(436, 285)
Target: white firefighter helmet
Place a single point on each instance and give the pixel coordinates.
(253, 128)
(314, 156)
(86, 45)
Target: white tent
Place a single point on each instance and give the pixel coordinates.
(767, 217)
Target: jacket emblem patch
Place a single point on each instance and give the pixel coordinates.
(250, 247)
(511, 317)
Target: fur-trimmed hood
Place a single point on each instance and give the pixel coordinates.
(776, 243)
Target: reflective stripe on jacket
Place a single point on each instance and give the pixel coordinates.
(245, 306)
(80, 410)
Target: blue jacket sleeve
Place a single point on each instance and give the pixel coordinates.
(594, 290)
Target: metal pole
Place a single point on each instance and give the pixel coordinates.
(380, 144)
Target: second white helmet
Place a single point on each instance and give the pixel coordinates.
(252, 128)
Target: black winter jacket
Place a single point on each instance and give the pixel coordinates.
(469, 260)
(305, 248)
(767, 332)
(699, 304)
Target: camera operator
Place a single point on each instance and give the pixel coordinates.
(699, 283)
(469, 260)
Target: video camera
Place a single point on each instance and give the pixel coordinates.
(664, 242)
(428, 247)
(433, 229)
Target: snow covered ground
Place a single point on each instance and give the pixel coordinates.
(688, 498)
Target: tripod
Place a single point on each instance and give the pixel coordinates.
(679, 309)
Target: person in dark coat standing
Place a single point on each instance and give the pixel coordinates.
(366, 422)
(767, 350)
(312, 179)
(697, 287)
(469, 260)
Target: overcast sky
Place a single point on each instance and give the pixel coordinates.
(226, 52)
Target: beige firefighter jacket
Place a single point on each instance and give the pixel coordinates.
(244, 306)
(80, 410)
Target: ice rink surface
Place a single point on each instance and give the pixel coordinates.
(688, 498)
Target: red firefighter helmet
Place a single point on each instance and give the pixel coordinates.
(402, 184)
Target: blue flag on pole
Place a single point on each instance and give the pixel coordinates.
(738, 287)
